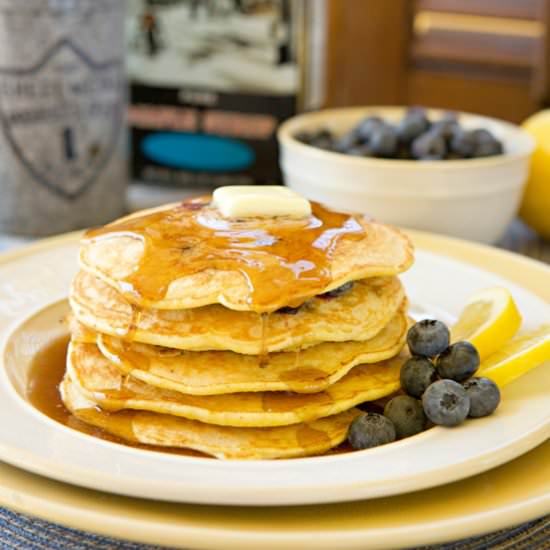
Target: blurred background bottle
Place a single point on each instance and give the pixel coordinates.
(210, 82)
(63, 158)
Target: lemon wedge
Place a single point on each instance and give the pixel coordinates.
(489, 319)
(518, 356)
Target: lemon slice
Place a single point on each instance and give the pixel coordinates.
(518, 356)
(489, 319)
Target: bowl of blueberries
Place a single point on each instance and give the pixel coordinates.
(449, 172)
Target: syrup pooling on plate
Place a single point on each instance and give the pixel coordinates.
(45, 377)
(283, 260)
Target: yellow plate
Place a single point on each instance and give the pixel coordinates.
(510, 494)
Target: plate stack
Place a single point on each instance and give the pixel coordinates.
(241, 338)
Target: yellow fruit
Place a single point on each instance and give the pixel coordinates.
(518, 356)
(535, 207)
(489, 319)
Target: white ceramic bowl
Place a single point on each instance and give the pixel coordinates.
(473, 199)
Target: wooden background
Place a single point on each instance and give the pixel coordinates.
(484, 56)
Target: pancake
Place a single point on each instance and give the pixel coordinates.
(220, 441)
(183, 256)
(358, 314)
(217, 372)
(79, 332)
(101, 382)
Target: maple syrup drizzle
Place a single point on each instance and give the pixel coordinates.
(283, 260)
(289, 401)
(48, 369)
(130, 357)
(130, 334)
(123, 353)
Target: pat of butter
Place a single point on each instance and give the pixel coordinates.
(251, 201)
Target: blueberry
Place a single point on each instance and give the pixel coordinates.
(416, 375)
(335, 292)
(482, 135)
(446, 127)
(486, 144)
(366, 126)
(412, 125)
(370, 430)
(488, 149)
(446, 403)
(406, 414)
(347, 141)
(429, 146)
(463, 143)
(458, 362)
(323, 139)
(484, 396)
(383, 141)
(428, 338)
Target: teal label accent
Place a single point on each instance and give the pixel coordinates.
(198, 152)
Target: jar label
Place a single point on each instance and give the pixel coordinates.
(62, 116)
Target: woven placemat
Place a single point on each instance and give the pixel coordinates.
(25, 533)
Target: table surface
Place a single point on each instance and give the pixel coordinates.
(22, 532)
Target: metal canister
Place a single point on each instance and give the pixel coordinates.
(63, 96)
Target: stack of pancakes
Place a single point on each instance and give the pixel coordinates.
(240, 338)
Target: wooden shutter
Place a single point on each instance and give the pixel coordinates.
(486, 56)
